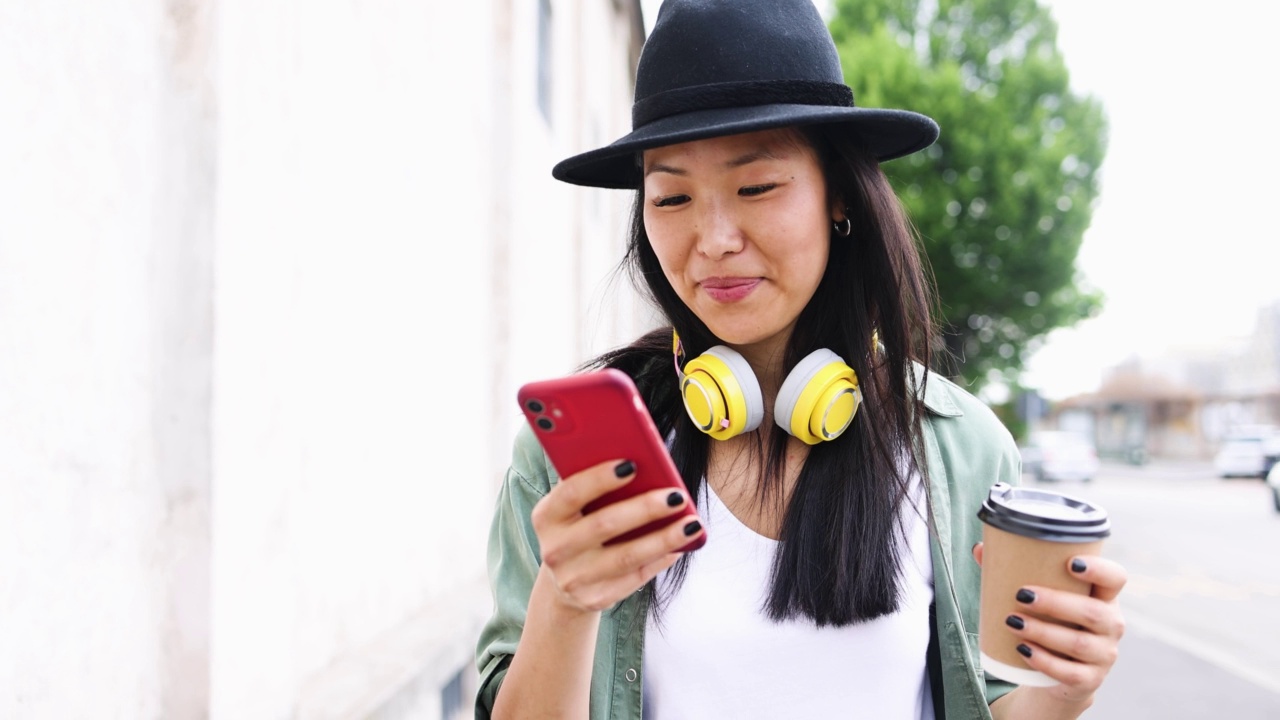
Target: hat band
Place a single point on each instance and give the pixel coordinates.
(739, 94)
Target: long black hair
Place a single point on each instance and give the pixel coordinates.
(838, 559)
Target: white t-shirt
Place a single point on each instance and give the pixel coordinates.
(716, 654)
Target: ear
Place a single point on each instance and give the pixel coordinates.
(838, 210)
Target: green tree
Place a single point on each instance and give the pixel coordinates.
(1003, 198)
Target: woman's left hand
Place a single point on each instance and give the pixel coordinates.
(1086, 644)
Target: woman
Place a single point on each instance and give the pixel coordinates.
(837, 577)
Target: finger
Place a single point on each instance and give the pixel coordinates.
(623, 587)
(624, 516)
(1107, 577)
(1073, 609)
(567, 499)
(626, 557)
(1082, 679)
(977, 553)
(1080, 645)
(574, 542)
(626, 563)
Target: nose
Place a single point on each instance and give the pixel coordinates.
(719, 232)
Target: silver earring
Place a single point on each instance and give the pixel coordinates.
(844, 228)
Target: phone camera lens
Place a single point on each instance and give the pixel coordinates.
(545, 423)
(534, 406)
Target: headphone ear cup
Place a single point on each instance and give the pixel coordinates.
(819, 398)
(721, 393)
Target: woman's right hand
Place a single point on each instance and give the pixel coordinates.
(587, 575)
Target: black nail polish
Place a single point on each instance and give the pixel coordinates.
(692, 528)
(1014, 622)
(624, 469)
(1026, 596)
(674, 499)
(1024, 651)
(1077, 565)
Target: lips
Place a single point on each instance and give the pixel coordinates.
(729, 289)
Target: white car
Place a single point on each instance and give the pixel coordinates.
(1273, 481)
(1247, 455)
(1059, 455)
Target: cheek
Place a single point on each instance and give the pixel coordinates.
(822, 252)
(663, 240)
(806, 243)
(822, 257)
(807, 264)
(818, 232)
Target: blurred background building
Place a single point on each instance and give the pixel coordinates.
(270, 275)
(1184, 404)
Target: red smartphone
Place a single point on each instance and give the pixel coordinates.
(585, 419)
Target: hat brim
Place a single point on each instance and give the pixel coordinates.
(887, 134)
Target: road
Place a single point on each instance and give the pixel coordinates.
(1203, 601)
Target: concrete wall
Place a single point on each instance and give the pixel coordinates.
(270, 275)
(352, 284)
(106, 236)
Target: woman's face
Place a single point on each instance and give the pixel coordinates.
(741, 226)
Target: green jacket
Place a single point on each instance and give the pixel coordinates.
(967, 450)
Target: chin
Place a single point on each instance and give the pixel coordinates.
(740, 337)
(742, 326)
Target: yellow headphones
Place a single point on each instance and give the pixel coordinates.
(817, 401)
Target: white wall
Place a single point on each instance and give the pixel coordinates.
(353, 323)
(562, 302)
(270, 275)
(106, 140)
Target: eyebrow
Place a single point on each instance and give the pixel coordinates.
(753, 156)
(659, 167)
(741, 160)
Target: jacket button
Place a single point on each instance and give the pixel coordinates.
(631, 675)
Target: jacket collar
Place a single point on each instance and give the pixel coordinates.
(939, 393)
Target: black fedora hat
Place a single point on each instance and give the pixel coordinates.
(723, 67)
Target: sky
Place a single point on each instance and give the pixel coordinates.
(1183, 243)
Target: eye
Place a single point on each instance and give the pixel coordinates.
(754, 190)
(670, 200)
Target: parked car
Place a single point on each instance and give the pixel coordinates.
(1059, 455)
(1248, 454)
(1273, 480)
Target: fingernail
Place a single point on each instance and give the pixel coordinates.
(1026, 596)
(674, 499)
(624, 469)
(1023, 650)
(692, 528)
(1077, 565)
(1014, 622)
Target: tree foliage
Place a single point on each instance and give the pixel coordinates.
(1003, 198)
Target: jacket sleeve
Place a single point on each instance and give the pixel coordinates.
(513, 560)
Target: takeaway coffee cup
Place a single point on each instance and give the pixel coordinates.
(1029, 536)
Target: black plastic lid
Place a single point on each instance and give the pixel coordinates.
(1043, 514)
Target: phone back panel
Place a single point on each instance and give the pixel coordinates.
(585, 419)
